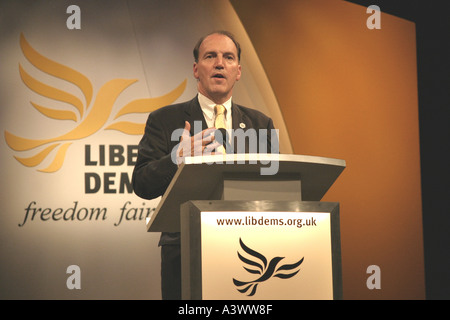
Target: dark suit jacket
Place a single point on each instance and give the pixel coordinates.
(154, 167)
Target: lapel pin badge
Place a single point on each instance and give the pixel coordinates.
(242, 125)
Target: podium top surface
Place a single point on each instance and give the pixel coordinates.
(198, 178)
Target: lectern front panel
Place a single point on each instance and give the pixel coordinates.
(262, 250)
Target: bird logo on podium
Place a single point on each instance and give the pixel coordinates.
(257, 264)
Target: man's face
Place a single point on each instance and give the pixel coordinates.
(217, 68)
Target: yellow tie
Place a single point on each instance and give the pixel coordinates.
(219, 122)
(219, 110)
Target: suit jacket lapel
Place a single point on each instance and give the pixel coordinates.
(240, 121)
(194, 113)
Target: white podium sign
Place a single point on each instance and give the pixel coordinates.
(269, 255)
(261, 253)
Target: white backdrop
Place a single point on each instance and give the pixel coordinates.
(149, 42)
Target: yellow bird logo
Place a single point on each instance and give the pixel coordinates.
(89, 119)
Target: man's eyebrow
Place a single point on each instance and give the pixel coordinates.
(209, 52)
(229, 53)
(226, 53)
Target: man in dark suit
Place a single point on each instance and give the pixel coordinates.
(216, 68)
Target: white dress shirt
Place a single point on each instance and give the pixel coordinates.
(208, 105)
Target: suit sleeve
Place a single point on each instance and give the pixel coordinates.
(154, 168)
(272, 144)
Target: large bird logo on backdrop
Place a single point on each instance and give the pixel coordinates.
(89, 119)
(264, 270)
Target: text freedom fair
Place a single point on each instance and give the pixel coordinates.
(77, 212)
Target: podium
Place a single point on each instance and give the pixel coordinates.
(253, 226)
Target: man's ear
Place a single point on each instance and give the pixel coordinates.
(195, 70)
(238, 77)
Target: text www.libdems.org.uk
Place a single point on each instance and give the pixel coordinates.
(252, 221)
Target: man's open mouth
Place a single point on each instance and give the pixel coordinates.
(218, 76)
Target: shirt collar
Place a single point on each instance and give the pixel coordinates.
(208, 105)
